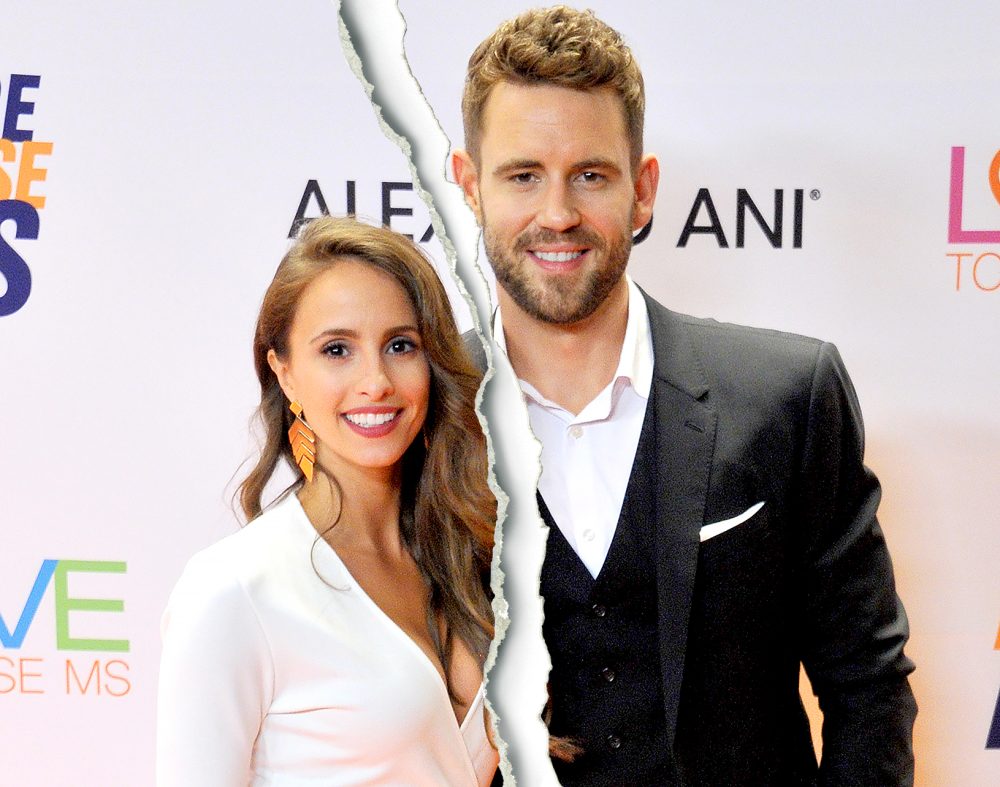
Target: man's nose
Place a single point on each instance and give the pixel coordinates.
(558, 210)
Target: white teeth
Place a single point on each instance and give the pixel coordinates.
(368, 420)
(557, 256)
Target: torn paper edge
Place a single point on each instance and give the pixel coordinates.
(534, 769)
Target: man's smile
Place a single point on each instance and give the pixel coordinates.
(558, 256)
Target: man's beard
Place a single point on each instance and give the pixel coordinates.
(558, 300)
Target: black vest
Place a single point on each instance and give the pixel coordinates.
(605, 684)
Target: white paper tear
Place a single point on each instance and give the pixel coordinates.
(372, 34)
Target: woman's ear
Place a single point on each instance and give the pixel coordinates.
(282, 372)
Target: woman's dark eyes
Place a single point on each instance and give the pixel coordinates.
(397, 346)
(401, 345)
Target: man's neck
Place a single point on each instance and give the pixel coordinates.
(567, 364)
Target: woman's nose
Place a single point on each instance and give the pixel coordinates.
(375, 380)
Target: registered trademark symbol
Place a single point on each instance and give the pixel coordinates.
(815, 194)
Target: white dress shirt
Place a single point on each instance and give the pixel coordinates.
(278, 669)
(587, 458)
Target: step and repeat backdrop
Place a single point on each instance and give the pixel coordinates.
(833, 172)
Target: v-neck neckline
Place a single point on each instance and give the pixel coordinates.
(393, 625)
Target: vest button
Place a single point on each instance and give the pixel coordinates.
(599, 610)
(614, 742)
(608, 674)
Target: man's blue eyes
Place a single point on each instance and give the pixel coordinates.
(524, 178)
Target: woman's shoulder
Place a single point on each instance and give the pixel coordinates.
(253, 553)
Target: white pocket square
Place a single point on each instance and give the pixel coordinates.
(716, 528)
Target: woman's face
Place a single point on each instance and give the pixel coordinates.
(357, 365)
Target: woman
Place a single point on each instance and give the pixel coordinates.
(340, 637)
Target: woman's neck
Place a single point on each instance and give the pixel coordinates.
(368, 505)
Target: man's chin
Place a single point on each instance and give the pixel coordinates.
(556, 298)
(555, 306)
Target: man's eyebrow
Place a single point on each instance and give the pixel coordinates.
(596, 163)
(515, 164)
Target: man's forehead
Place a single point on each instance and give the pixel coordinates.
(520, 114)
(527, 95)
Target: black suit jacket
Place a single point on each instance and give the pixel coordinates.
(746, 416)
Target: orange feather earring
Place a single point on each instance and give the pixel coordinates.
(303, 442)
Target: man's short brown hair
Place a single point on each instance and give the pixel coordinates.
(554, 46)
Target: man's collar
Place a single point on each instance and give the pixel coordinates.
(635, 362)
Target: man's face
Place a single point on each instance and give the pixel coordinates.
(555, 195)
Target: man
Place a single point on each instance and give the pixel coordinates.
(712, 525)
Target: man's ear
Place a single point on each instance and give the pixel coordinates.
(467, 176)
(281, 371)
(646, 181)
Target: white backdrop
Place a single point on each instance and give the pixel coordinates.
(183, 140)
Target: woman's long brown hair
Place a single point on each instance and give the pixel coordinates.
(448, 512)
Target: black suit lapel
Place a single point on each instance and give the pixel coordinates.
(685, 438)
